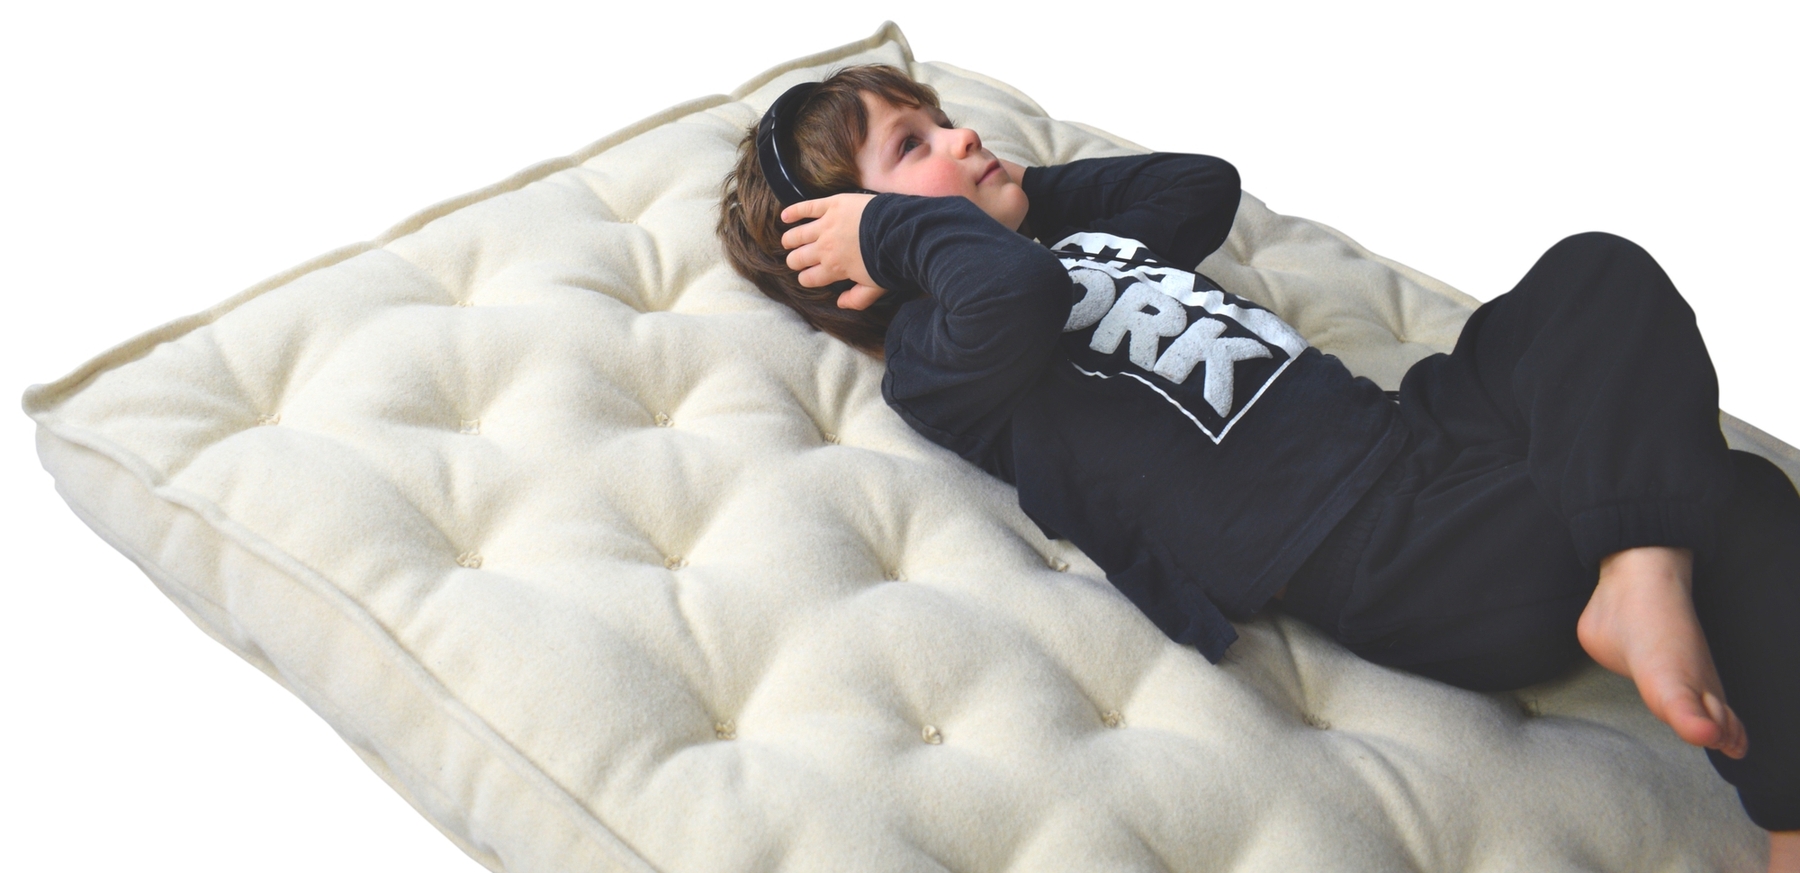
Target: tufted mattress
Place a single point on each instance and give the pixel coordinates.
(606, 562)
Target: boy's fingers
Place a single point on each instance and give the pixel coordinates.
(803, 209)
(801, 258)
(817, 277)
(860, 297)
(798, 236)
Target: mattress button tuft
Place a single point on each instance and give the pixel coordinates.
(1112, 719)
(663, 420)
(1532, 706)
(932, 735)
(268, 418)
(829, 437)
(470, 560)
(1315, 721)
(470, 426)
(895, 576)
(674, 562)
(725, 730)
(464, 304)
(1057, 564)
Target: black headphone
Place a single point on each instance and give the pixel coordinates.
(778, 157)
(776, 153)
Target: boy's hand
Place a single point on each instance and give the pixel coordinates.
(829, 248)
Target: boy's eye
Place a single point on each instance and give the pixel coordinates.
(908, 145)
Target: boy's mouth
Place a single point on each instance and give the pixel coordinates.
(991, 170)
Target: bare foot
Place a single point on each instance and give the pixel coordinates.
(1784, 852)
(1640, 623)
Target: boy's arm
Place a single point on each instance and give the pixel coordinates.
(987, 308)
(1180, 206)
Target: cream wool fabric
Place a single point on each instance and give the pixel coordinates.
(606, 562)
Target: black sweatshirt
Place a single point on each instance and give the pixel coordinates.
(1187, 440)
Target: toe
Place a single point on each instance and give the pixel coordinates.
(1685, 711)
(1731, 736)
(1702, 732)
(1737, 740)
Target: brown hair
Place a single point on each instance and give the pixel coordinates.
(828, 129)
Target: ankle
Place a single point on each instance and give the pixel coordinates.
(1649, 562)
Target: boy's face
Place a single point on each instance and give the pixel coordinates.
(914, 150)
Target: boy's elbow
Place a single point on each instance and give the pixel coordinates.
(1221, 195)
(1222, 180)
(1230, 170)
(1206, 173)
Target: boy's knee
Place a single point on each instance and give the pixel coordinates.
(1597, 247)
(1598, 244)
(1609, 269)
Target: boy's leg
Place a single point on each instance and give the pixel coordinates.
(1592, 377)
(1594, 363)
(1747, 594)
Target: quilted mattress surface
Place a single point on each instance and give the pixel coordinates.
(606, 562)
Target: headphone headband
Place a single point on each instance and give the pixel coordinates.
(775, 150)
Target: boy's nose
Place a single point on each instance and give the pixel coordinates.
(967, 141)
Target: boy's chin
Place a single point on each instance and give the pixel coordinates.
(1013, 220)
(1008, 208)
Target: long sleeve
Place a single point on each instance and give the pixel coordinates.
(1180, 206)
(1203, 477)
(987, 305)
(962, 354)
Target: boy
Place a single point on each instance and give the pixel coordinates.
(1542, 491)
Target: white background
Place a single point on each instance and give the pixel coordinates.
(160, 157)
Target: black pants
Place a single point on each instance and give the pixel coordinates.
(1576, 417)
